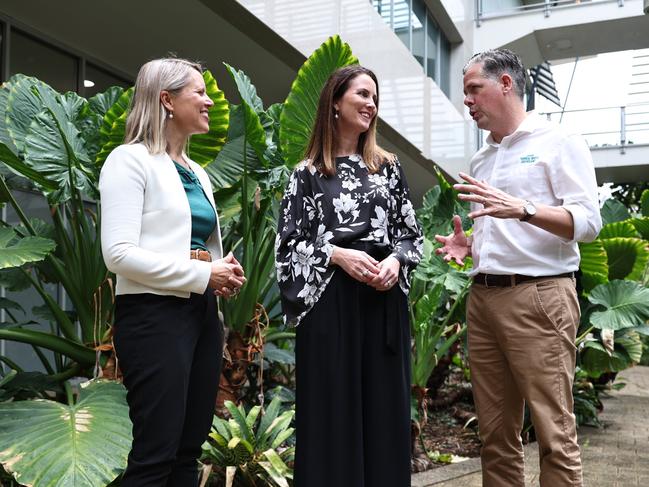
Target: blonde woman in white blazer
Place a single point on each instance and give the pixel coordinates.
(160, 235)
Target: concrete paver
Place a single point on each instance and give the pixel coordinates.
(616, 455)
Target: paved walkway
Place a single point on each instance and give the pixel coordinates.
(614, 456)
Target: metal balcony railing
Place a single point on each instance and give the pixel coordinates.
(609, 126)
(490, 9)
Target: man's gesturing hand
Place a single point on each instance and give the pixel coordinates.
(496, 203)
(456, 245)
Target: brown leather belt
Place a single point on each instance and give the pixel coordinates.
(199, 254)
(510, 280)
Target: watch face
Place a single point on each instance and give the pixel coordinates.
(530, 209)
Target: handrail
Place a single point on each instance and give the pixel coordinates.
(545, 6)
(626, 126)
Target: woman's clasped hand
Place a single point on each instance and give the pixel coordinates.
(364, 268)
(227, 276)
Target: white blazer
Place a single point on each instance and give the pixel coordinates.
(146, 224)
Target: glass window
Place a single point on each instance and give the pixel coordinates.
(401, 20)
(432, 38)
(98, 80)
(384, 8)
(445, 65)
(35, 206)
(418, 23)
(35, 58)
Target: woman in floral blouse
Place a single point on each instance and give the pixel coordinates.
(346, 244)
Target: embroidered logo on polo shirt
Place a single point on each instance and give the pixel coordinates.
(529, 159)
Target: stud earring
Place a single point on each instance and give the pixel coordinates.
(336, 114)
(171, 114)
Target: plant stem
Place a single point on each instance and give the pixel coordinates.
(582, 337)
(69, 393)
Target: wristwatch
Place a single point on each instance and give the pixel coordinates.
(529, 210)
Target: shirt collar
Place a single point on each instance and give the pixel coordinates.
(529, 124)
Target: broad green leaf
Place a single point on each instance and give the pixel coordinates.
(274, 354)
(269, 416)
(102, 102)
(228, 202)
(221, 426)
(642, 226)
(276, 468)
(298, 115)
(439, 206)
(113, 127)
(614, 211)
(8, 377)
(227, 169)
(74, 106)
(14, 280)
(6, 303)
(47, 443)
(5, 138)
(626, 305)
(87, 121)
(627, 257)
(632, 345)
(271, 123)
(27, 98)
(593, 265)
(15, 251)
(252, 416)
(28, 385)
(434, 270)
(18, 166)
(644, 203)
(246, 89)
(55, 148)
(203, 148)
(251, 105)
(596, 360)
(239, 418)
(618, 229)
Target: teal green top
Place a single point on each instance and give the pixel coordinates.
(203, 216)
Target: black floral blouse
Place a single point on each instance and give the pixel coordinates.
(318, 212)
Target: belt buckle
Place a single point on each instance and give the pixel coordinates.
(485, 281)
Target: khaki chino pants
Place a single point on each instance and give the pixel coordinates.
(521, 350)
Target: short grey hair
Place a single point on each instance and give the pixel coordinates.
(496, 62)
(147, 117)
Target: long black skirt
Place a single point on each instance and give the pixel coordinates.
(353, 388)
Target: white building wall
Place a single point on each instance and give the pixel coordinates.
(411, 103)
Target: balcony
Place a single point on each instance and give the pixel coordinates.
(618, 138)
(557, 29)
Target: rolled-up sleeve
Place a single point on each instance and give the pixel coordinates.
(574, 182)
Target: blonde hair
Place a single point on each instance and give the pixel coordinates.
(321, 150)
(147, 116)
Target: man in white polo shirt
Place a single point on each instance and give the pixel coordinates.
(533, 196)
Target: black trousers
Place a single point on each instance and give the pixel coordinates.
(169, 351)
(353, 388)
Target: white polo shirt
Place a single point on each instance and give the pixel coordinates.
(541, 163)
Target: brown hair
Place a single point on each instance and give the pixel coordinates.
(321, 150)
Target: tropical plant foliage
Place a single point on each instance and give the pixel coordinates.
(250, 449)
(56, 144)
(84, 443)
(615, 294)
